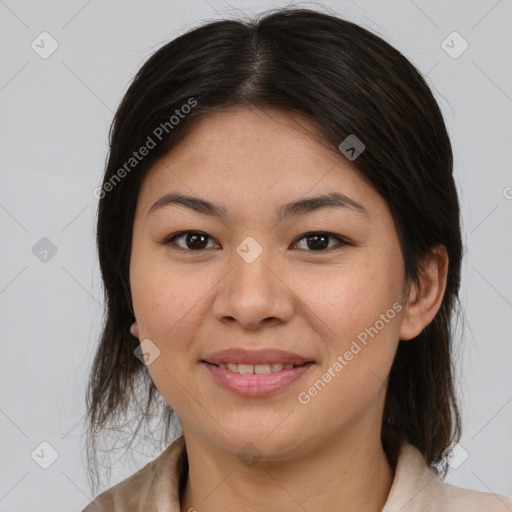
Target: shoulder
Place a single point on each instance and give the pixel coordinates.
(417, 488)
(102, 503)
(155, 484)
(469, 500)
(126, 495)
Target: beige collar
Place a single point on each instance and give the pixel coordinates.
(415, 488)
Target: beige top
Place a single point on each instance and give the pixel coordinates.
(416, 488)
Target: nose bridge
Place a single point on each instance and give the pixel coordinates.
(252, 266)
(252, 275)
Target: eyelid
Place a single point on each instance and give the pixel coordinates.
(342, 241)
(169, 240)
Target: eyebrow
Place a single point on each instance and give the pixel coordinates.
(295, 208)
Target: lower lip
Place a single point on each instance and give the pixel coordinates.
(254, 384)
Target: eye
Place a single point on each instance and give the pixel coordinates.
(195, 241)
(318, 241)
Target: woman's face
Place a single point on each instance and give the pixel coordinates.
(260, 277)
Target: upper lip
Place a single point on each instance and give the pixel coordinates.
(260, 356)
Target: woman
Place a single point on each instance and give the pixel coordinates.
(280, 245)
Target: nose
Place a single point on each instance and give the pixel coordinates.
(253, 294)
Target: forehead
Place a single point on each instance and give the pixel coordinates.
(243, 156)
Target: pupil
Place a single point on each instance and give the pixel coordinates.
(316, 246)
(192, 239)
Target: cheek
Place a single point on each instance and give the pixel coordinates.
(171, 302)
(165, 302)
(168, 307)
(360, 330)
(350, 297)
(359, 308)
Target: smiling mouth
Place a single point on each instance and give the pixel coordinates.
(256, 380)
(258, 369)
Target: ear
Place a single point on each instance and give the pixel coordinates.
(425, 299)
(134, 329)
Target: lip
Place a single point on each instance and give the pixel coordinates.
(253, 385)
(260, 356)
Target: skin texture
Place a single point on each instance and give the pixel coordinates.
(326, 454)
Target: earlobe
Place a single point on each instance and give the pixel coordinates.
(425, 298)
(134, 330)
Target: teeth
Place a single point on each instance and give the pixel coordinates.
(259, 369)
(245, 368)
(262, 368)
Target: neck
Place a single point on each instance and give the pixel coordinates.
(349, 473)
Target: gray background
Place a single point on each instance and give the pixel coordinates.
(55, 115)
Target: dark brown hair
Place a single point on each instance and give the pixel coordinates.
(345, 80)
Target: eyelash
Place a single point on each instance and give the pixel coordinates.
(170, 240)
